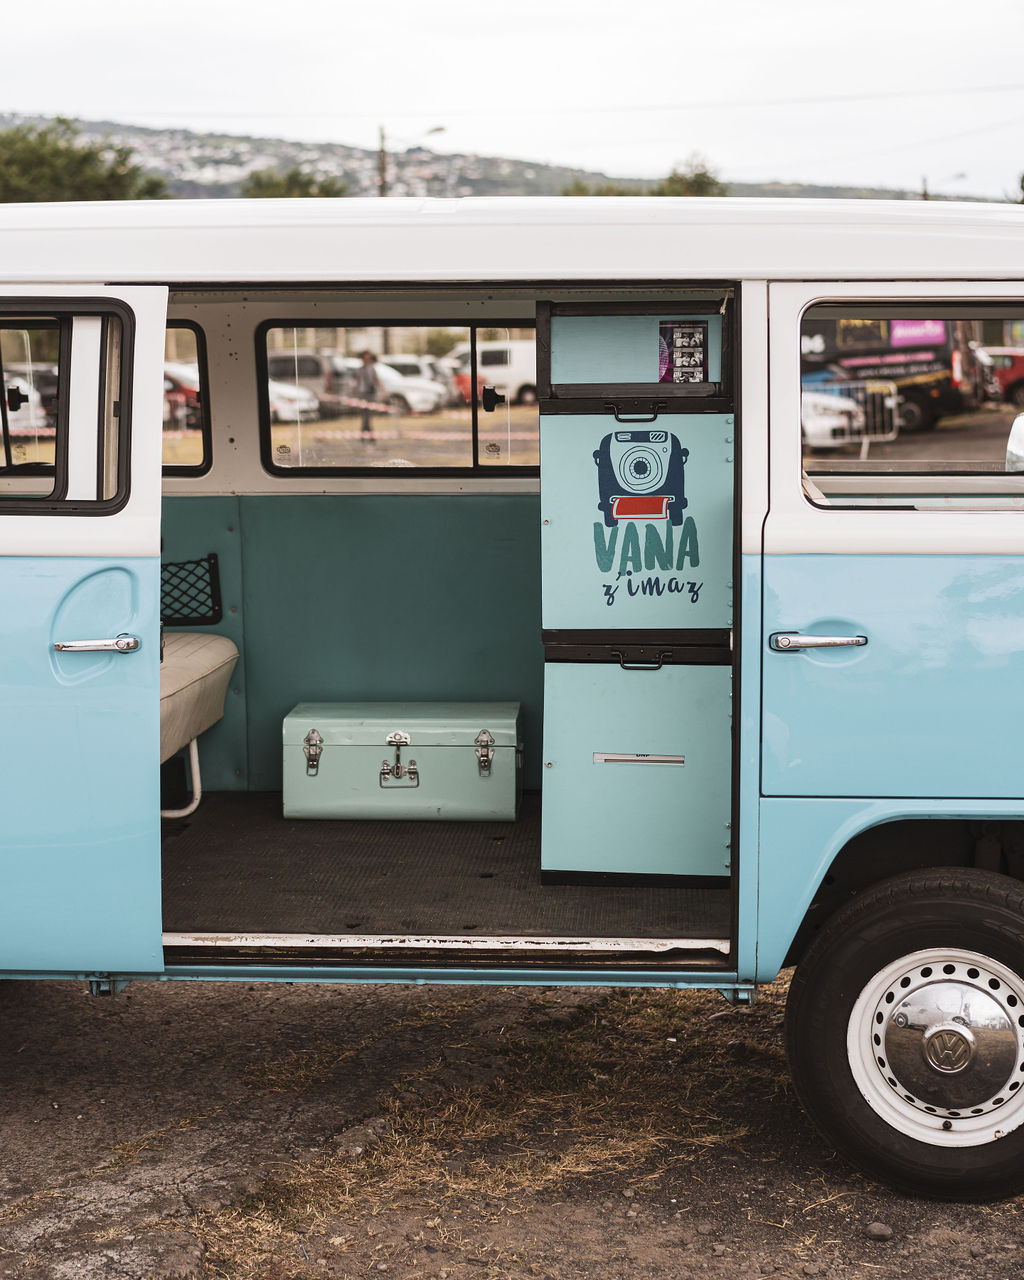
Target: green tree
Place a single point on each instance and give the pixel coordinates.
(580, 188)
(51, 162)
(291, 184)
(695, 179)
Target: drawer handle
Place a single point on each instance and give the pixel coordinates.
(637, 418)
(641, 666)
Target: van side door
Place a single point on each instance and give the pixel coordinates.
(80, 439)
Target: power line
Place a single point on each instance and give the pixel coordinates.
(740, 104)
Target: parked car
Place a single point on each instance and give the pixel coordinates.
(314, 371)
(828, 420)
(429, 367)
(182, 400)
(404, 394)
(509, 365)
(289, 403)
(1007, 365)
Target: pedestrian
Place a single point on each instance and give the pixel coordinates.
(368, 390)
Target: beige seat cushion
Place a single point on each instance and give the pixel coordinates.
(194, 679)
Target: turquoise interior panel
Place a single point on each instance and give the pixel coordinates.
(639, 816)
(620, 348)
(637, 525)
(193, 527)
(366, 598)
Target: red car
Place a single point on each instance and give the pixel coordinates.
(1007, 365)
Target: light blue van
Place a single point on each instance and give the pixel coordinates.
(753, 697)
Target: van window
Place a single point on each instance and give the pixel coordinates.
(64, 411)
(353, 399)
(912, 390)
(186, 431)
(30, 355)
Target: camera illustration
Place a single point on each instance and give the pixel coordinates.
(640, 476)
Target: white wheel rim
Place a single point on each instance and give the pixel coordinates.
(936, 1047)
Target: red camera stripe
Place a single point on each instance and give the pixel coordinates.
(633, 508)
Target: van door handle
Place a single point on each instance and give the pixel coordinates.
(786, 641)
(117, 644)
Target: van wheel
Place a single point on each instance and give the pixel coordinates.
(527, 395)
(905, 1033)
(914, 416)
(400, 405)
(1015, 395)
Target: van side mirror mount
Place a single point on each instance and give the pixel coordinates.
(1015, 445)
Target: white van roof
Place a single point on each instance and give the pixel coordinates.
(655, 239)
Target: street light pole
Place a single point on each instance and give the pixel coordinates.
(382, 157)
(382, 165)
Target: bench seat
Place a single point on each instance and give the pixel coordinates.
(194, 676)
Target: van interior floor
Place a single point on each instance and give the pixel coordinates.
(238, 867)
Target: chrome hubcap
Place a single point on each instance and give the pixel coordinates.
(935, 1042)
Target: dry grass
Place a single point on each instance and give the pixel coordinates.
(641, 1083)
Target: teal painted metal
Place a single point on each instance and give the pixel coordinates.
(748, 732)
(620, 348)
(932, 705)
(431, 751)
(637, 817)
(193, 527)
(369, 598)
(801, 836)
(79, 769)
(602, 571)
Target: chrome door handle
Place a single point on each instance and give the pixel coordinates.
(117, 644)
(787, 641)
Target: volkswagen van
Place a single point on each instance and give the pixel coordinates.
(747, 706)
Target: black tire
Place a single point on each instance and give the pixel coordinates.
(945, 913)
(400, 404)
(526, 395)
(915, 416)
(1015, 394)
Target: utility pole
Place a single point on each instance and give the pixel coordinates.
(382, 165)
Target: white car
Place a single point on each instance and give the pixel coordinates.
(404, 394)
(830, 420)
(291, 404)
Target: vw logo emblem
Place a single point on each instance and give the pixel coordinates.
(948, 1048)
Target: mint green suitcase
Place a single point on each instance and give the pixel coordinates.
(420, 760)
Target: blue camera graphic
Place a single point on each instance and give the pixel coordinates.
(640, 476)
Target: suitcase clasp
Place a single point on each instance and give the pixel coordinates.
(396, 769)
(312, 749)
(484, 753)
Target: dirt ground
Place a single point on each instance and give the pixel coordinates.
(224, 1130)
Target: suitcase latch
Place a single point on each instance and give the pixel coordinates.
(484, 753)
(313, 749)
(395, 769)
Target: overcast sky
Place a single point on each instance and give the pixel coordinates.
(872, 92)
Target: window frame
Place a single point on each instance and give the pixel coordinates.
(65, 310)
(475, 469)
(929, 483)
(206, 417)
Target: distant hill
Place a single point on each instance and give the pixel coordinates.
(214, 165)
